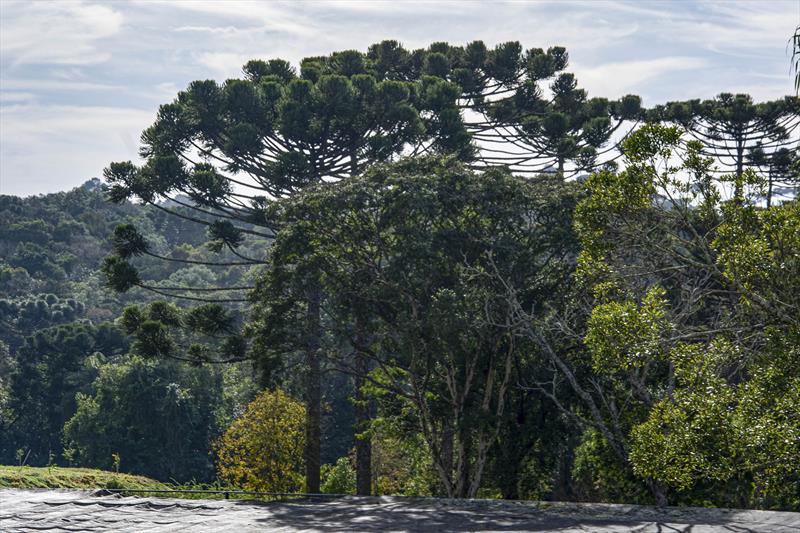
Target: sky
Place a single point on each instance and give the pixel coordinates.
(80, 80)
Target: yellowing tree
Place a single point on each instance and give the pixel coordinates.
(262, 450)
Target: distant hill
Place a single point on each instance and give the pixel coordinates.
(51, 248)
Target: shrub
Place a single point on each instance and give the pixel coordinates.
(339, 478)
(262, 450)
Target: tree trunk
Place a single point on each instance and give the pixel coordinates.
(739, 165)
(363, 445)
(769, 185)
(659, 492)
(313, 395)
(463, 480)
(447, 457)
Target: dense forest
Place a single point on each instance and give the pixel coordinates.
(447, 271)
(68, 374)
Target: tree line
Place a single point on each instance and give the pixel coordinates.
(615, 336)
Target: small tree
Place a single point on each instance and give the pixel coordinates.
(263, 449)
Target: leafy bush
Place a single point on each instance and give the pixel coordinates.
(339, 478)
(262, 450)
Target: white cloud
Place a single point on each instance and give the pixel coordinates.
(741, 25)
(617, 79)
(280, 17)
(224, 64)
(12, 96)
(384, 7)
(63, 32)
(55, 85)
(52, 148)
(209, 29)
(728, 27)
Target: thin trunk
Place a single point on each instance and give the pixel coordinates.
(480, 464)
(313, 394)
(362, 414)
(739, 165)
(447, 457)
(464, 448)
(769, 185)
(363, 444)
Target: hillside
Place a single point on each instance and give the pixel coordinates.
(54, 244)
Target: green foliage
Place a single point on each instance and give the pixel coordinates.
(339, 478)
(148, 418)
(127, 241)
(531, 457)
(51, 367)
(743, 437)
(713, 380)
(23, 316)
(207, 333)
(414, 246)
(45, 366)
(401, 461)
(262, 450)
(34, 259)
(599, 476)
(623, 335)
(210, 319)
(121, 275)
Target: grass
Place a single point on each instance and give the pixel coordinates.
(28, 477)
(56, 477)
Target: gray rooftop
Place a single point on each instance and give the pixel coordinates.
(54, 510)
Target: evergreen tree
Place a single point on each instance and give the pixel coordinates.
(233, 149)
(741, 134)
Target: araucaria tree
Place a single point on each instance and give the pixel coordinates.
(568, 133)
(741, 134)
(523, 111)
(220, 155)
(225, 152)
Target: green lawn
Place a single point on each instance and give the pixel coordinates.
(27, 477)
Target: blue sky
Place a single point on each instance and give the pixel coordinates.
(80, 80)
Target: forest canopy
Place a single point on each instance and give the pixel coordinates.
(447, 271)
